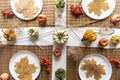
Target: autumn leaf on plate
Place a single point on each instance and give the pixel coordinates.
(99, 70)
(97, 6)
(92, 68)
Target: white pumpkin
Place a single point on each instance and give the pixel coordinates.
(60, 36)
(33, 31)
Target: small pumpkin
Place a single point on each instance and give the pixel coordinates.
(9, 34)
(115, 40)
(33, 31)
(60, 73)
(60, 36)
(60, 3)
(89, 36)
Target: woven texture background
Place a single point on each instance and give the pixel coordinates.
(84, 20)
(7, 52)
(72, 66)
(48, 9)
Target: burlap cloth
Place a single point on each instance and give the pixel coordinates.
(48, 9)
(7, 52)
(72, 65)
(84, 20)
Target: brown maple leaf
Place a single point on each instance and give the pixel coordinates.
(24, 69)
(97, 6)
(92, 68)
(99, 71)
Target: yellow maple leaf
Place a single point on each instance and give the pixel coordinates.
(92, 68)
(97, 6)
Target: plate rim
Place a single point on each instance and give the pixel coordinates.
(22, 18)
(95, 55)
(18, 53)
(99, 17)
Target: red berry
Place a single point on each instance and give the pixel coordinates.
(7, 13)
(10, 14)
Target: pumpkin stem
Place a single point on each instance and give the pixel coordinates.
(84, 42)
(82, 39)
(118, 40)
(80, 2)
(97, 32)
(3, 31)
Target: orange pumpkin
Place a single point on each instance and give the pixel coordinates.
(9, 34)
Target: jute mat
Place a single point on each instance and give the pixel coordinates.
(48, 9)
(8, 51)
(72, 65)
(84, 20)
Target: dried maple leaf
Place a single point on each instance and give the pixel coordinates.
(98, 71)
(26, 7)
(89, 64)
(92, 68)
(97, 6)
(25, 69)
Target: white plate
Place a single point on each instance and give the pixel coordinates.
(33, 59)
(104, 14)
(100, 60)
(38, 3)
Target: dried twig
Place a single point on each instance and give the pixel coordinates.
(74, 53)
(79, 38)
(32, 40)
